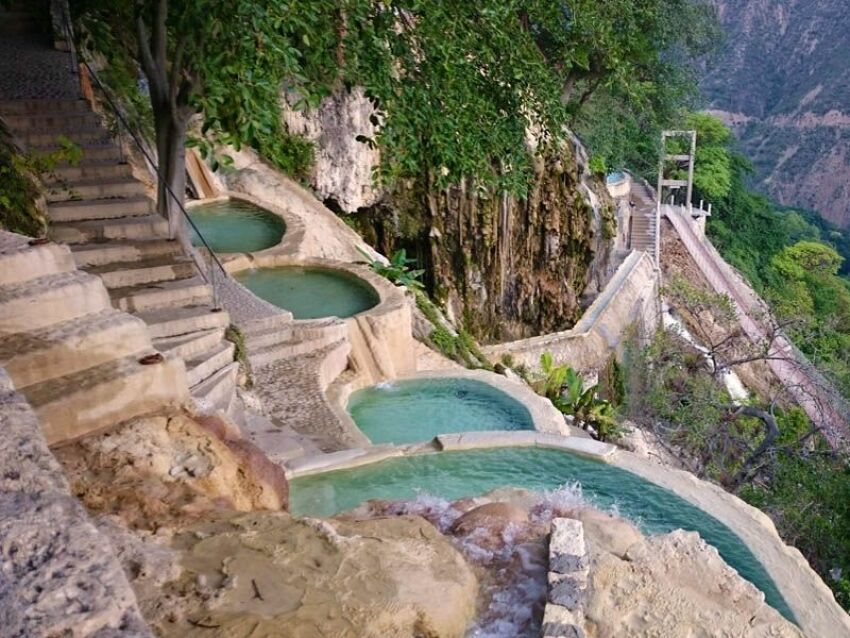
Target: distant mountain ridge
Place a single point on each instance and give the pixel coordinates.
(782, 79)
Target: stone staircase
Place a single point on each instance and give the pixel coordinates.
(643, 229)
(103, 213)
(78, 360)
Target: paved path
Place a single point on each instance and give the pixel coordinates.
(814, 393)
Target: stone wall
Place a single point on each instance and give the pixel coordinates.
(629, 301)
(568, 571)
(59, 575)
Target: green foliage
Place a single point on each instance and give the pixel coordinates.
(240, 354)
(597, 165)
(456, 85)
(459, 346)
(397, 270)
(564, 387)
(20, 174)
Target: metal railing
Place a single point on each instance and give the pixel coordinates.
(214, 267)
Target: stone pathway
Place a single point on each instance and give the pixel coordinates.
(30, 68)
(293, 395)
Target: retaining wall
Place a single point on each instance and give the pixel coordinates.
(630, 300)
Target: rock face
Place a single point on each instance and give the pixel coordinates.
(508, 268)
(677, 586)
(781, 80)
(169, 470)
(267, 574)
(342, 167)
(59, 575)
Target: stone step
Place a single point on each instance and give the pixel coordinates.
(147, 271)
(290, 349)
(256, 339)
(101, 254)
(53, 106)
(52, 137)
(190, 345)
(70, 346)
(193, 291)
(170, 322)
(55, 120)
(92, 153)
(105, 395)
(74, 211)
(51, 299)
(147, 227)
(96, 189)
(206, 364)
(21, 262)
(216, 392)
(108, 169)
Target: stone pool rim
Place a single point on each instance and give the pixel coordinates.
(810, 600)
(289, 241)
(389, 298)
(545, 417)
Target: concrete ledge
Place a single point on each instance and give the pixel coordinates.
(342, 460)
(629, 299)
(497, 439)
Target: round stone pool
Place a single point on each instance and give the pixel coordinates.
(414, 410)
(310, 293)
(236, 226)
(455, 475)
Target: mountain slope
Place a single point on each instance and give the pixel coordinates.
(782, 80)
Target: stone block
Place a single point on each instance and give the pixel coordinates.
(568, 591)
(559, 622)
(567, 550)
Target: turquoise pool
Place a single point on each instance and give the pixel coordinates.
(419, 409)
(235, 226)
(454, 475)
(310, 293)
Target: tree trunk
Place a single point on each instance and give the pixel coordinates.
(171, 152)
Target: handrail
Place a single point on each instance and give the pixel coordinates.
(161, 178)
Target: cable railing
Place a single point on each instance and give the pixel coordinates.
(214, 265)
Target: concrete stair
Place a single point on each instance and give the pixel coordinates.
(102, 254)
(50, 299)
(19, 261)
(190, 345)
(167, 294)
(144, 272)
(97, 209)
(123, 228)
(74, 357)
(102, 211)
(97, 398)
(206, 364)
(96, 189)
(643, 232)
(171, 322)
(71, 346)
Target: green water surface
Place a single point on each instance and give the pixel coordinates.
(420, 409)
(235, 226)
(455, 475)
(310, 293)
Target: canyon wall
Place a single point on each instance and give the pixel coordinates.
(505, 267)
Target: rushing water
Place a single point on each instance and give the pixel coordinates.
(455, 475)
(235, 226)
(310, 293)
(420, 409)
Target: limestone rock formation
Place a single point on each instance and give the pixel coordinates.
(268, 574)
(508, 268)
(674, 586)
(165, 470)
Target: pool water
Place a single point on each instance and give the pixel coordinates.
(418, 410)
(310, 293)
(455, 475)
(234, 226)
